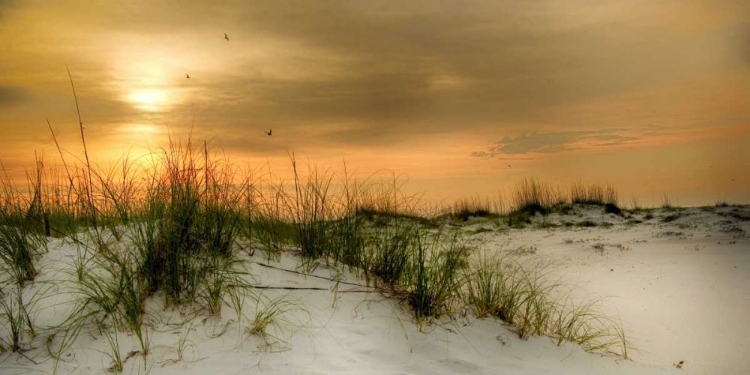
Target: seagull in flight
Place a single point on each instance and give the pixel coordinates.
(226, 37)
(187, 75)
(269, 132)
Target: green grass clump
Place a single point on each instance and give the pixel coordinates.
(521, 296)
(484, 285)
(266, 223)
(434, 276)
(110, 292)
(272, 317)
(223, 277)
(19, 247)
(177, 236)
(272, 234)
(22, 240)
(187, 230)
(349, 241)
(518, 219)
(392, 247)
(14, 312)
(585, 325)
(312, 214)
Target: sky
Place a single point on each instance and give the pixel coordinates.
(461, 99)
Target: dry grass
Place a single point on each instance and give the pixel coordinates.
(593, 194)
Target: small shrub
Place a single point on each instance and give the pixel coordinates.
(611, 208)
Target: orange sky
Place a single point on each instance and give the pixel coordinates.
(464, 98)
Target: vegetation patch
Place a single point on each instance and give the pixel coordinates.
(520, 295)
(593, 194)
(611, 208)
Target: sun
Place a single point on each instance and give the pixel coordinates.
(148, 79)
(151, 100)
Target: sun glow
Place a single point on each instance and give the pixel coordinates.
(151, 100)
(148, 78)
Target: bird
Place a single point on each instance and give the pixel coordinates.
(269, 132)
(226, 37)
(187, 75)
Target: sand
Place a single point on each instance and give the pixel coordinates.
(678, 281)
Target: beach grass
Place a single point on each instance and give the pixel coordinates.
(173, 229)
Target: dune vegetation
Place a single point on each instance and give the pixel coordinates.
(176, 230)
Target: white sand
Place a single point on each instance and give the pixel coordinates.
(677, 301)
(681, 287)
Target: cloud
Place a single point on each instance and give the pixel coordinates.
(10, 95)
(553, 142)
(6, 4)
(382, 74)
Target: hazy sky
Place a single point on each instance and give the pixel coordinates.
(463, 97)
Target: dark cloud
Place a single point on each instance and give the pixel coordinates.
(4, 4)
(422, 66)
(11, 95)
(503, 61)
(552, 142)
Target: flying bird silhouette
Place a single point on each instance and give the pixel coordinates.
(226, 37)
(269, 132)
(187, 75)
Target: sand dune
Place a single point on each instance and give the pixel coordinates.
(676, 278)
